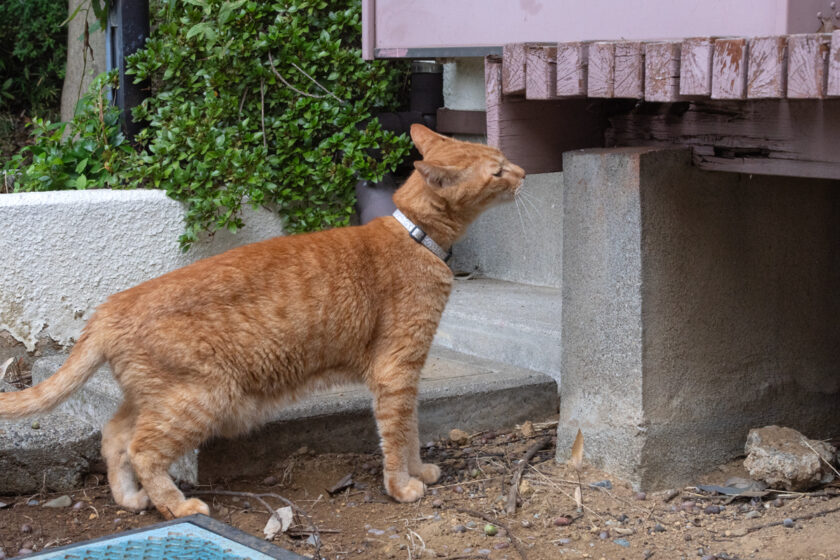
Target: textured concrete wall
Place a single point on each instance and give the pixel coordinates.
(463, 84)
(696, 305)
(521, 241)
(65, 252)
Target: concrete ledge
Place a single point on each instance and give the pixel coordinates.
(456, 391)
(66, 251)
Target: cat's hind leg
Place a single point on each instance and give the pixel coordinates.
(160, 437)
(116, 435)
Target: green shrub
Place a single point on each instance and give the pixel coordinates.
(225, 126)
(85, 153)
(33, 52)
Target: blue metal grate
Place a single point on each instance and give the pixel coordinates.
(193, 538)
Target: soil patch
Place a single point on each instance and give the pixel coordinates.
(360, 521)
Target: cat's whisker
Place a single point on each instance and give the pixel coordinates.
(518, 211)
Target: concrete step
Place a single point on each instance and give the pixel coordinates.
(507, 322)
(456, 391)
(52, 451)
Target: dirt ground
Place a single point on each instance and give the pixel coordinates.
(452, 520)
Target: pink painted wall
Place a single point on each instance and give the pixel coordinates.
(390, 26)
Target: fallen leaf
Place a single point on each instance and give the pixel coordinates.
(578, 499)
(5, 367)
(280, 525)
(577, 451)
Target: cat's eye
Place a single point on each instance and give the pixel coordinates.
(499, 173)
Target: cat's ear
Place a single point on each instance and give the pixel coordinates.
(424, 138)
(438, 175)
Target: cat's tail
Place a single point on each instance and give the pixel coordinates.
(86, 356)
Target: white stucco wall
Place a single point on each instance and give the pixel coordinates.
(63, 253)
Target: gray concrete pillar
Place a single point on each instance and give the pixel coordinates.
(696, 305)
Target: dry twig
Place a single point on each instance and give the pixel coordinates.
(517, 476)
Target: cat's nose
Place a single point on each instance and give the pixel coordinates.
(517, 170)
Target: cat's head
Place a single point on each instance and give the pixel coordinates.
(467, 177)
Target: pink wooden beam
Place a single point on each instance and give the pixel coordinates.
(493, 98)
(572, 69)
(807, 66)
(629, 70)
(729, 69)
(513, 69)
(601, 69)
(696, 66)
(662, 71)
(540, 71)
(767, 68)
(834, 65)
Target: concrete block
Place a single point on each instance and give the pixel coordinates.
(516, 324)
(696, 305)
(456, 391)
(55, 457)
(521, 241)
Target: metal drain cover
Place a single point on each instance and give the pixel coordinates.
(196, 537)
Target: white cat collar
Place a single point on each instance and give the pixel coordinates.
(420, 236)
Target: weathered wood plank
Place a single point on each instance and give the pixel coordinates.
(662, 71)
(807, 66)
(601, 69)
(773, 136)
(540, 71)
(513, 69)
(572, 69)
(493, 97)
(696, 66)
(629, 70)
(767, 68)
(833, 88)
(729, 69)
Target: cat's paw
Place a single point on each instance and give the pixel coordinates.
(429, 473)
(190, 507)
(135, 501)
(411, 491)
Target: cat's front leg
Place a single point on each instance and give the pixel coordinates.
(395, 411)
(429, 473)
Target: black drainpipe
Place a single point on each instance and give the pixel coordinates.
(425, 97)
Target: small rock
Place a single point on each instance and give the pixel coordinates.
(490, 530)
(669, 495)
(563, 541)
(784, 458)
(36, 425)
(269, 481)
(624, 531)
(528, 429)
(622, 542)
(640, 496)
(60, 502)
(752, 514)
(622, 518)
(33, 503)
(778, 502)
(712, 509)
(603, 535)
(601, 484)
(708, 557)
(459, 529)
(3, 505)
(688, 506)
(302, 450)
(647, 553)
(501, 545)
(525, 523)
(376, 532)
(458, 489)
(458, 436)
(26, 528)
(788, 522)
(438, 503)
(562, 521)
(78, 505)
(24, 551)
(483, 551)
(658, 528)
(471, 524)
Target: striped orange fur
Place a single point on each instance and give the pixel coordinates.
(214, 347)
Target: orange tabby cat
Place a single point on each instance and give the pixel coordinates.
(214, 347)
